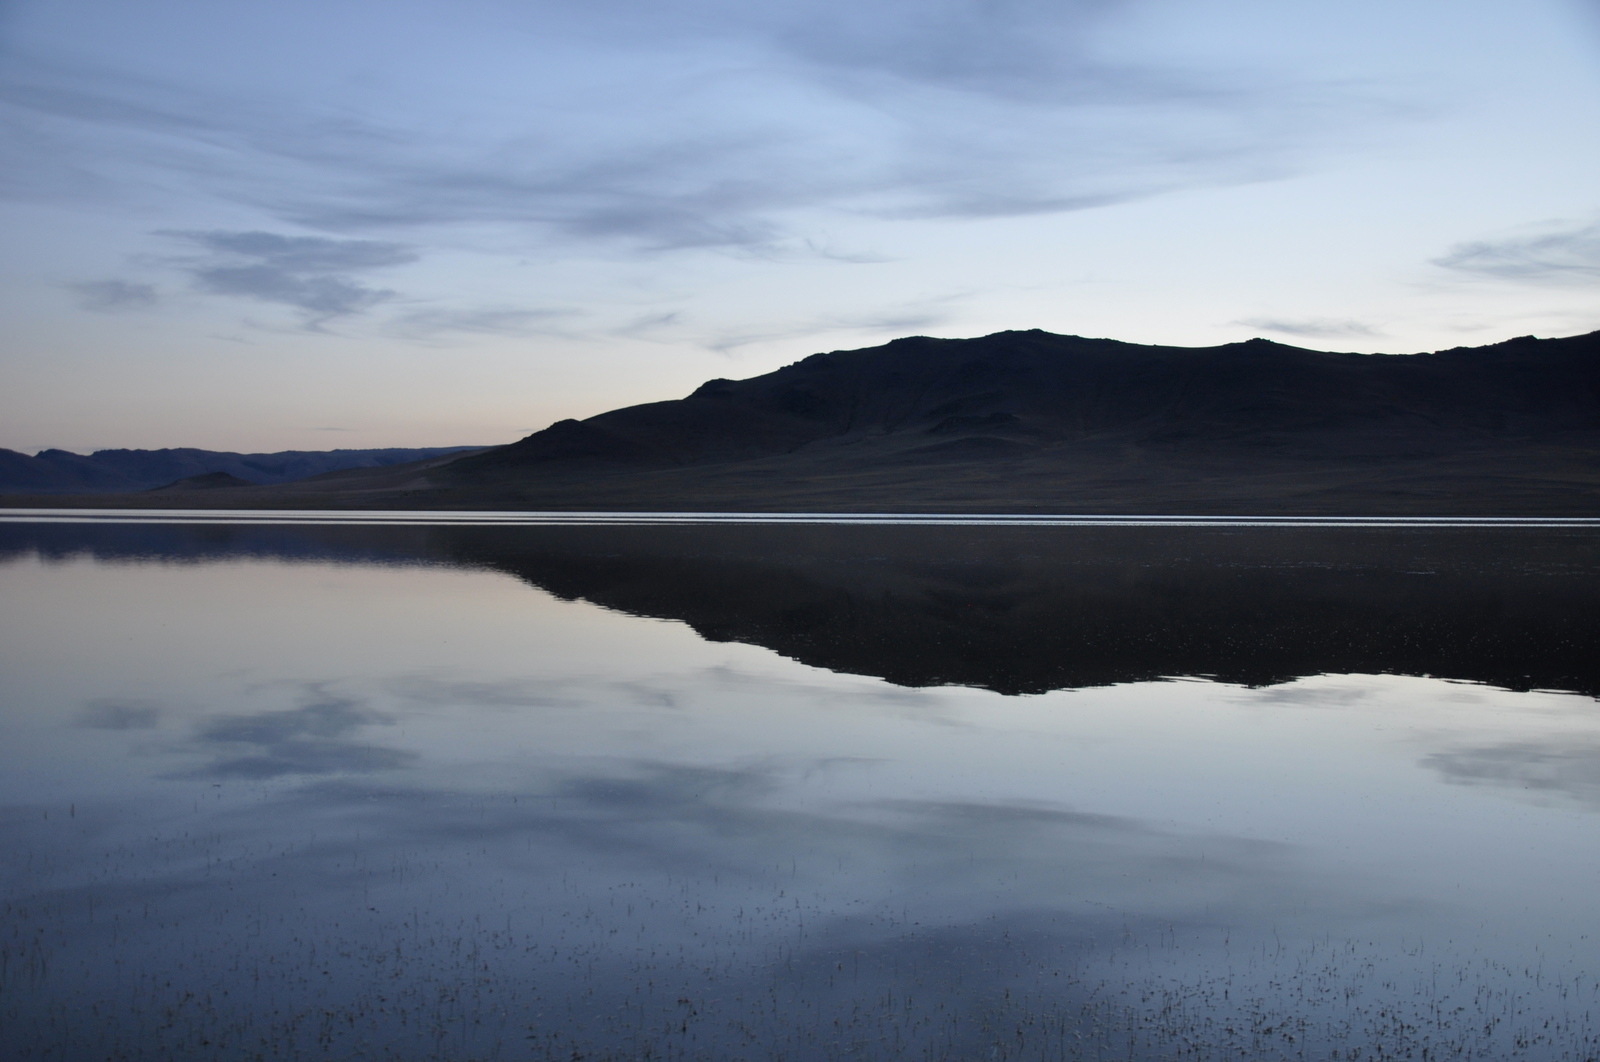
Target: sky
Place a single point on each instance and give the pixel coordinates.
(292, 225)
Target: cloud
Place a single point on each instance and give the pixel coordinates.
(304, 254)
(1563, 256)
(320, 296)
(313, 274)
(909, 318)
(1312, 328)
(482, 321)
(700, 124)
(1013, 48)
(1016, 50)
(119, 715)
(110, 295)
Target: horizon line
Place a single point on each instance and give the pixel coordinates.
(521, 518)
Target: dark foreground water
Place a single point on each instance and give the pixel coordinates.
(798, 792)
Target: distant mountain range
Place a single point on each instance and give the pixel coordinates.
(1037, 422)
(61, 472)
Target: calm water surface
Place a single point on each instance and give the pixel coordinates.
(798, 792)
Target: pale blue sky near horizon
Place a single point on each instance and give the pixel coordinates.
(307, 226)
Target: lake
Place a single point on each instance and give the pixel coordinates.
(502, 786)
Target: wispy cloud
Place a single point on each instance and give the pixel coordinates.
(494, 321)
(1312, 328)
(312, 274)
(702, 124)
(907, 318)
(1560, 256)
(107, 296)
(303, 254)
(119, 715)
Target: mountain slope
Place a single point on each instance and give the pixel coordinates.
(1019, 393)
(1036, 422)
(63, 472)
(1030, 421)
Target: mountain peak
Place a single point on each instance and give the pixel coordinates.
(949, 416)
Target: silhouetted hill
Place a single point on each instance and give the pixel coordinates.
(1030, 421)
(1023, 394)
(62, 472)
(1036, 422)
(206, 481)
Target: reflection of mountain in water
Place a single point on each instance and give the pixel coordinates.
(1023, 610)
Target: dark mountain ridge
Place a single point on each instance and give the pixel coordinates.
(1015, 392)
(1037, 422)
(1031, 421)
(64, 472)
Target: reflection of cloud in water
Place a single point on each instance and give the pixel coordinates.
(567, 691)
(1566, 771)
(313, 739)
(1296, 695)
(609, 899)
(510, 693)
(666, 690)
(671, 691)
(119, 715)
(953, 859)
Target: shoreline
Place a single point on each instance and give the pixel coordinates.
(625, 518)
